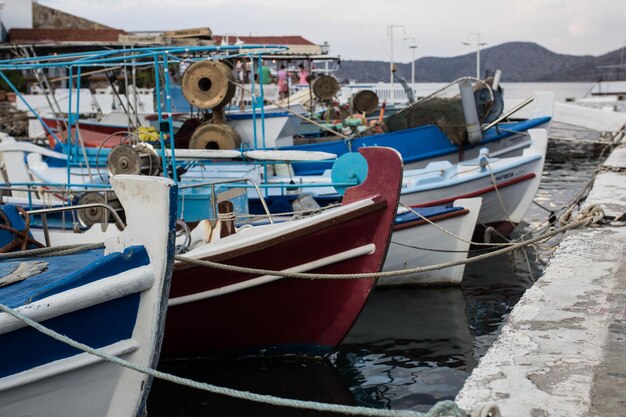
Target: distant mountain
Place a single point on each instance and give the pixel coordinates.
(519, 61)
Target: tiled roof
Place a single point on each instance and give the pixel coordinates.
(63, 35)
(266, 40)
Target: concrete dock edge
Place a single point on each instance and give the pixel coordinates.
(562, 351)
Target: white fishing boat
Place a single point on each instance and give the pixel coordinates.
(112, 297)
(443, 238)
(506, 185)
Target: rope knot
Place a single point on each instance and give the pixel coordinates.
(592, 214)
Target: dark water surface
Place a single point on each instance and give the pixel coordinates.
(410, 347)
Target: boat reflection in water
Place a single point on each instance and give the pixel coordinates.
(297, 378)
(410, 347)
(413, 347)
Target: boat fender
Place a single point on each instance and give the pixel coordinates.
(471, 114)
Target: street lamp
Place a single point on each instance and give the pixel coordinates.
(478, 45)
(413, 47)
(390, 29)
(324, 48)
(2, 30)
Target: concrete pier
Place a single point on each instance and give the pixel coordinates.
(563, 349)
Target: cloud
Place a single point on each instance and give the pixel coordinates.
(358, 29)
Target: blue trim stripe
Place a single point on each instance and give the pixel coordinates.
(97, 326)
(426, 212)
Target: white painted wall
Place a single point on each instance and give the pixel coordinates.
(107, 102)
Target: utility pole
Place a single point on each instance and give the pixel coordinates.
(478, 45)
(390, 29)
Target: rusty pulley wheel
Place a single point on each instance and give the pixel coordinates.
(325, 87)
(365, 101)
(214, 136)
(208, 84)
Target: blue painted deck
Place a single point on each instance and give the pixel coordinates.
(97, 326)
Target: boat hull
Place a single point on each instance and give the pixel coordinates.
(426, 244)
(212, 312)
(112, 299)
(505, 202)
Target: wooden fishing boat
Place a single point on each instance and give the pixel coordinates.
(422, 145)
(270, 314)
(266, 314)
(419, 241)
(506, 185)
(111, 298)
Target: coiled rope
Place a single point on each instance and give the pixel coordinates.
(443, 408)
(21, 238)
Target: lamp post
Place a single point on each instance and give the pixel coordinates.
(324, 50)
(390, 29)
(478, 45)
(413, 47)
(2, 32)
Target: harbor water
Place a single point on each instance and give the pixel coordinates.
(410, 347)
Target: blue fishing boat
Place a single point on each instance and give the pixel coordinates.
(112, 297)
(424, 144)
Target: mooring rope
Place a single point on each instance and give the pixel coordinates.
(444, 230)
(443, 408)
(590, 217)
(51, 251)
(21, 238)
(576, 199)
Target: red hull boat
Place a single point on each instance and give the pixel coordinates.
(93, 135)
(213, 311)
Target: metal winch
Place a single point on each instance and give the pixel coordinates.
(365, 101)
(138, 159)
(208, 84)
(325, 87)
(211, 135)
(94, 215)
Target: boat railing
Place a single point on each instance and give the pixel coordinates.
(213, 184)
(43, 212)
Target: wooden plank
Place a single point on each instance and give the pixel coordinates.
(148, 39)
(189, 33)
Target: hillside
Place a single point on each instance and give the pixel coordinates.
(519, 61)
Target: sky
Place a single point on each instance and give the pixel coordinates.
(361, 29)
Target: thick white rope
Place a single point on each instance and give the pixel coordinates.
(587, 220)
(493, 180)
(443, 408)
(52, 251)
